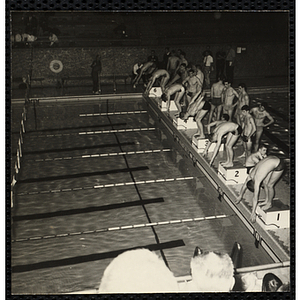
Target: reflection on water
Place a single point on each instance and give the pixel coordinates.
(181, 200)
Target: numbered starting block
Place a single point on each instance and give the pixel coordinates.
(200, 144)
(155, 92)
(189, 124)
(233, 175)
(172, 106)
(278, 216)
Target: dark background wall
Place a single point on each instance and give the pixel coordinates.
(259, 60)
(84, 34)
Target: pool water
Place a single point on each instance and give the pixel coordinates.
(56, 195)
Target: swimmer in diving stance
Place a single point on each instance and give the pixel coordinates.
(163, 74)
(233, 132)
(266, 172)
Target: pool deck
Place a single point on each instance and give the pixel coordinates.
(282, 188)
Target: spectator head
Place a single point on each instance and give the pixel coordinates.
(212, 271)
(242, 86)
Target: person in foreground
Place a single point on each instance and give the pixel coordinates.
(211, 272)
(266, 172)
(142, 271)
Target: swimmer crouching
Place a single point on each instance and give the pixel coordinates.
(267, 172)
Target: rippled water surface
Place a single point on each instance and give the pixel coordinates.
(57, 196)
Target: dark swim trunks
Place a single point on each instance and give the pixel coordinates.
(216, 101)
(281, 165)
(249, 169)
(245, 138)
(210, 137)
(206, 106)
(250, 186)
(238, 131)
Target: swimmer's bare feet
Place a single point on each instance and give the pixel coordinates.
(243, 155)
(253, 217)
(134, 86)
(262, 203)
(228, 165)
(238, 200)
(266, 207)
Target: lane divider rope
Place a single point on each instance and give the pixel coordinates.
(106, 186)
(114, 113)
(94, 132)
(123, 227)
(100, 155)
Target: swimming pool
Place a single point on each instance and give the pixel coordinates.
(91, 167)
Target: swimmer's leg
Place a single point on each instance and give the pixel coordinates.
(258, 134)
(270, 187)
(229, 146)
(211, 113)
(230, 111)
(200, 115)
(219, 111)
(265, 184)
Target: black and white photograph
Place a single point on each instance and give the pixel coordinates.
(150, 152)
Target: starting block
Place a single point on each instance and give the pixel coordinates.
(189, 124)
(155, 92)
(233, 175)
(173, 106)
(278, 216)
(200, 144)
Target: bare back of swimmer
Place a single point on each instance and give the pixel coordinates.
(161, 73)
(147, 67)
(266, 172)
(166, 96)
(227, 98)
(216, 99)
(233, 131)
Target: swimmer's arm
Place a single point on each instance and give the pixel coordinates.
(243, 190)
(211, 125)
(216, 150)
(271, 120)
(168, 101)
(235, 93)
(198, 85)
(254, 201)
(223, 95)
(174, 79)
(247, 100)
(253, 127)
(168, 64)
(206, 148)
(211, 92)
(185, 80)
(195, 97)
